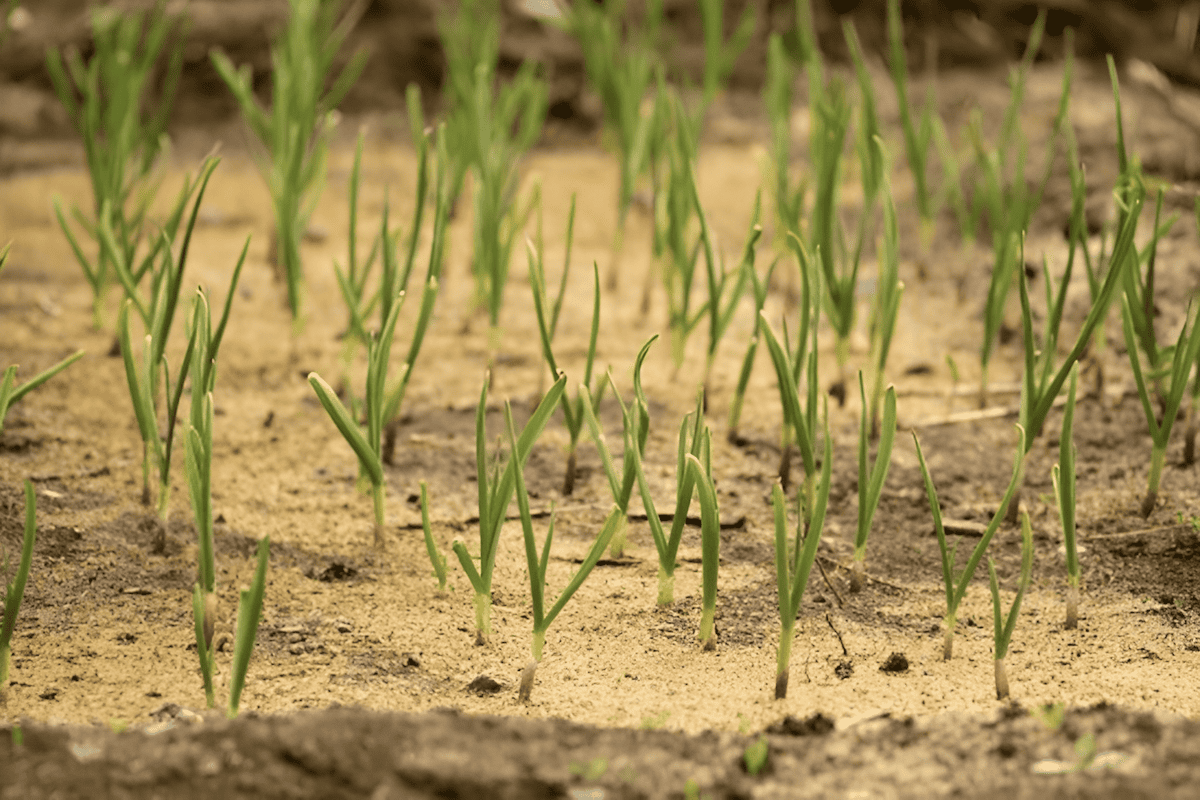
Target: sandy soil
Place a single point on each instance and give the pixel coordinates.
(105, 636)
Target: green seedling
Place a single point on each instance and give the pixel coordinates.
(435, 557)
(437, 248)
(831, 123)
(9, 393)
(710, 543)
(693, 438)
(1005, 194)
(798, 426)
(725, 287)
(777, 97)
(868, 142)
(495, 491)
(352, 281)
(14, 585)
(547, 318)
(157, 314)
(109, 101)
(793, 568)
(621, 62)
(676, 247)
(720, 56)
(1042, 381)
(488, 129)
(382, 404)
(368, 446)
(759, 287)
(919, 129)
(886, 306)
(250, 604)
(756, 754)
(198, 453)
(1003, 629)
(870, 479)
(296, 130)
(636, 429)
(956, 585)
(1186, 353)
(1063, 476)
(538, 564)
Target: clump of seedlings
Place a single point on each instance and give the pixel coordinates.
(621, 63)
(108, 100)
(157, 314)
(488, 129)
(14, 586)
(1186, 352)
(295, 132)
(495, 491)
(956, 584)
(1006, 196)
(382, 403)
(693, 438)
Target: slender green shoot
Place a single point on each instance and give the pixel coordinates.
(250, 604)
(539, 563)
(14, 585)
(489, 128)
(374, 446)
(710, 544)
(800, 424)
(367, 445)
(1042, 380)
(635, 430)
(1063, 476)
(1006, 196)
(677, 246)
(621, 61)
(352, 281)
(10, 394)
(870, 478)
(725, 287)
(495, 491)
(787, 196)
(122, 122)
(792, 570)
(919, 133)
(547, 314)
(956, 584)
(1003, 629)
(198, 453)
(296, 130)
(1184, 358)
(720, 56)
(886, 306)
(435, 556)
(759, 286)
